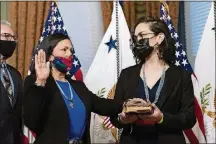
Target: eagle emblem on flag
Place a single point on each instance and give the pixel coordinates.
(204, 95)
(205, 102)
(102, 130)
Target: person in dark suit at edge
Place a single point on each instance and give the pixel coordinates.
(157, 80)
(10, 90)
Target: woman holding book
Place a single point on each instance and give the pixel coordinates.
(166, 88)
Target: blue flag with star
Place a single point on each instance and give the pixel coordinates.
(111, 44)
(101, 77)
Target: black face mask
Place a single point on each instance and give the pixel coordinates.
(7, 48)
(142, 49)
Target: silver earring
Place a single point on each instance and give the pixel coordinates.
(160, 55)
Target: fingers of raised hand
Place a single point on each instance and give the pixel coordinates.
(43, 55)
(40, 59)
(36, 61)
(48, 64)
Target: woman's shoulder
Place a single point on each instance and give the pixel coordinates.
(131, 68)
(77, 83)
(179, 71)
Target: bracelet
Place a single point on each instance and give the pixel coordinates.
(119, 119)
(160, 120)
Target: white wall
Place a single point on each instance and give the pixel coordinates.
(84, 24)
(196, 14)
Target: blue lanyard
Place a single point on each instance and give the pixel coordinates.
(70, 99)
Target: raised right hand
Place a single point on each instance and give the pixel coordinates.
(42, 67)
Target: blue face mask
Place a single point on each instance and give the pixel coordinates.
(62, 64)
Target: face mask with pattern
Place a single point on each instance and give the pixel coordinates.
(62, 64)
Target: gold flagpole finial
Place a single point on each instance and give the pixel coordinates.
(164, 3)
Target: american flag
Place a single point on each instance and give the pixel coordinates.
(54, 24)
(181, 60)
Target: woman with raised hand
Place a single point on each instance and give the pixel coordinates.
(57, 108)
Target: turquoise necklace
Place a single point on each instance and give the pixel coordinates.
(71, 104)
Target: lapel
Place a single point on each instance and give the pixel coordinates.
(3, 93)
(15, 84)
(133, 80)
(169, 85)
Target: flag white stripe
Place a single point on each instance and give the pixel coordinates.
(28, 134)
(205, 71)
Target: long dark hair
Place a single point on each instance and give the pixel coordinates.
(48, 44)
(167, 47)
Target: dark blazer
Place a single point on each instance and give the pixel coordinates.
(46, 114)
(176, 102)
(10, 115)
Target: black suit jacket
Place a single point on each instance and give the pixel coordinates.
(10, 115)
(176, 102)
(46, 114)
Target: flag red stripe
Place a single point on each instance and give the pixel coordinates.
(198, 112)
(78, 75)
(25, 140)
(107, 118)
(195, 76)
(110, 126)
(106, 122)
(199, 116)
(34, 134)
(191, 136)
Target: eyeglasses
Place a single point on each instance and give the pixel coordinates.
(143, 35)
(9, 37)
(140, 36)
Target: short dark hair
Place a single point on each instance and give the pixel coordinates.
(48, 44)
(167, 47)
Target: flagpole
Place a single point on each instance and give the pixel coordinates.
(117, 40)
(215, 32)
(215, 20)
(117, 53)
